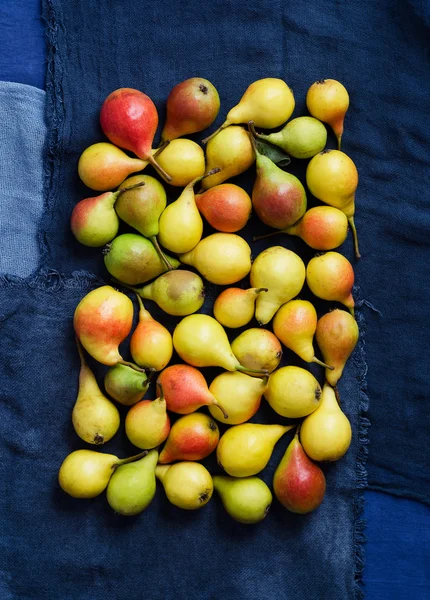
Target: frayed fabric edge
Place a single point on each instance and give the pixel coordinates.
(52, 281)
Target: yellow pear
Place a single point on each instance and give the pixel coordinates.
(295, 324)
(180, 224)
(326, 433)
(230, 151)
(330, 276)
(86, 473)
(202, 342)
(328, 101)
(246, 449)
(95, 418)
(257, 348)
(332, 177)
(293, 392)
(184, 159)
(268, 102)
(235, 307)
(282, 272)
(238, 394)
(337, 335)
(188, 485)
(222, 258)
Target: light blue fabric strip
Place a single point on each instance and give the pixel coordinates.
(22, 138)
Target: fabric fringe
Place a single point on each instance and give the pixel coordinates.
(50, 280)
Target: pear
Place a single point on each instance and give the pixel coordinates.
(328, 101)
(235, 307)
(300, 138)
(103, 166)
(268, 102)
(94, 221)
(95, 418)
(86, 473)
(102, 320)
(278, 197)
(337, 335)
(132, 259)
(332, 177)
(321, 227)
(222, 258)
(246, 449)
(326, 433)
(239, 394)
(230, 151)
(330, 276)
(202, 342)
(295, 324)
(293, 392)
(132, 487)
(125, 385)
(283, 273)
(191, 106)
(141, 208)
(299, 484)
(178, 293)
(147, 423)
(188, 485)
(192, 437)
(185, 390)
(151, 344)
(185, 161)
(258, 349)
(181, 226)
(129, 119)
(226, 207)
(247, 499)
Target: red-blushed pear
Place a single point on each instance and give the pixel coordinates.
(299, 484)
(278, 197)
(330, 276)
(192, 437)
(103, 166)
(226, 207)
(129, 119)
(328, 101)
(151, 344)
(185, 390)
(147, 423)
(102, 320)
(235, 307)
(192, 106)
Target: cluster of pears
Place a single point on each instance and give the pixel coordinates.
(172, 431)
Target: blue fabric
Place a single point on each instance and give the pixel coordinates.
(22, 139)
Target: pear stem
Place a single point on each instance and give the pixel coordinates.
(150, 374)
(321, 363)
(212, 135)
(262, 237)
(126, 363)
(131, 187)
(161, 396)
(161, 254)
(222, 409)
(253, 135)
(80, 352)
(339, 141)
(161, 147)
(159, 169)
(130, 459)
(242, 369)
(143, 313)
(355, 236)
(336, 393)
(259, 290)
(298, 429)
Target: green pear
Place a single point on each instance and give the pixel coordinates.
(132, 486)
(95, 418)
(133, 259)
(246, 499)
(301, 138)
(125, 385)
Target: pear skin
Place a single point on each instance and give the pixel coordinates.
(239, 394)
(328, 101)
(300, 138)
(322, 228)
(188, 485)
(192, 437)
(147, 423)
(293, 392)
(184, 160)
(299, 484)
(103, 166)
(258, 349)
(246, 449)
(102, 320)
(151, 344)
(235, 307)
(185, 390)
(95, 418)
(125, 385)
(326, 433)
(132, 486)
(230, 151)
(283, 273)
(330, 276)
(94, 221)
(226, 207)
(246, 499)
(337, 335)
